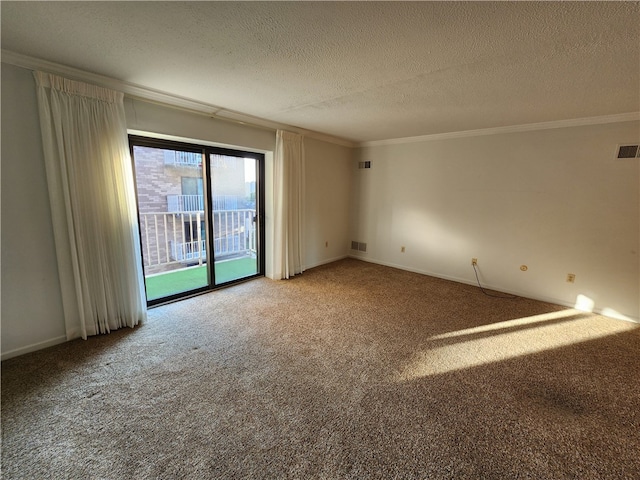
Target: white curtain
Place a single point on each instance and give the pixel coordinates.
(91, 189)
(288, 195)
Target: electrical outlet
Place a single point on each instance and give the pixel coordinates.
(571, 278)
(474, 261)
(401, 249)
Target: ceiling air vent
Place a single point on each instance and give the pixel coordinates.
(628, 151)
(366, 164)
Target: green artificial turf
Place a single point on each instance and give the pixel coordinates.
(170, 283)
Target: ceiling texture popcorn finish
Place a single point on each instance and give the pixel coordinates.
(361, 71)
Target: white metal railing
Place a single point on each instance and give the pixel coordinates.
(178, 237)
(194, 203)
(185, 203)
(189, 251)
(177, 158)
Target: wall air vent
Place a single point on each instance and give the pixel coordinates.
(366, 164)
(628, 151)
(359, 246)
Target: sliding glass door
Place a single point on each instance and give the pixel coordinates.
(234, 216)
(199, 214)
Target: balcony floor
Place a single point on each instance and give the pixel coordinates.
(170, 283)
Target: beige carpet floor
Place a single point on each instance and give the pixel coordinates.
(351, 370)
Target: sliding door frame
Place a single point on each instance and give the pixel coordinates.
(207, 151)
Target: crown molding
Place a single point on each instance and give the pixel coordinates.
(141, 92)
(574, 122)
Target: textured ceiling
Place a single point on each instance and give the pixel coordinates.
(357, 70)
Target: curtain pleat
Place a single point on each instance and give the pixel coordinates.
(91, 189)
(288, 175)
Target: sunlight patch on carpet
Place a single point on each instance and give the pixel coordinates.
(496, 342)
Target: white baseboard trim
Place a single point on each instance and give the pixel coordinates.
(324, 262)
(541, 298)
(58, 340)
(33, 347)
(317, 264)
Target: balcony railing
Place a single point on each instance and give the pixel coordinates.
(189, 251)
(178, 237)
(195, 203)
(185, 203)
(177, 158)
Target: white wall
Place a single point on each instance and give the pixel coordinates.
(32, 315)
(555, 200)
(328, 174)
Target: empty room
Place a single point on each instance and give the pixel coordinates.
(338, 240)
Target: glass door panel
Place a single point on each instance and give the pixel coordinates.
(172, 220)
(234, 217)
(199, 214)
